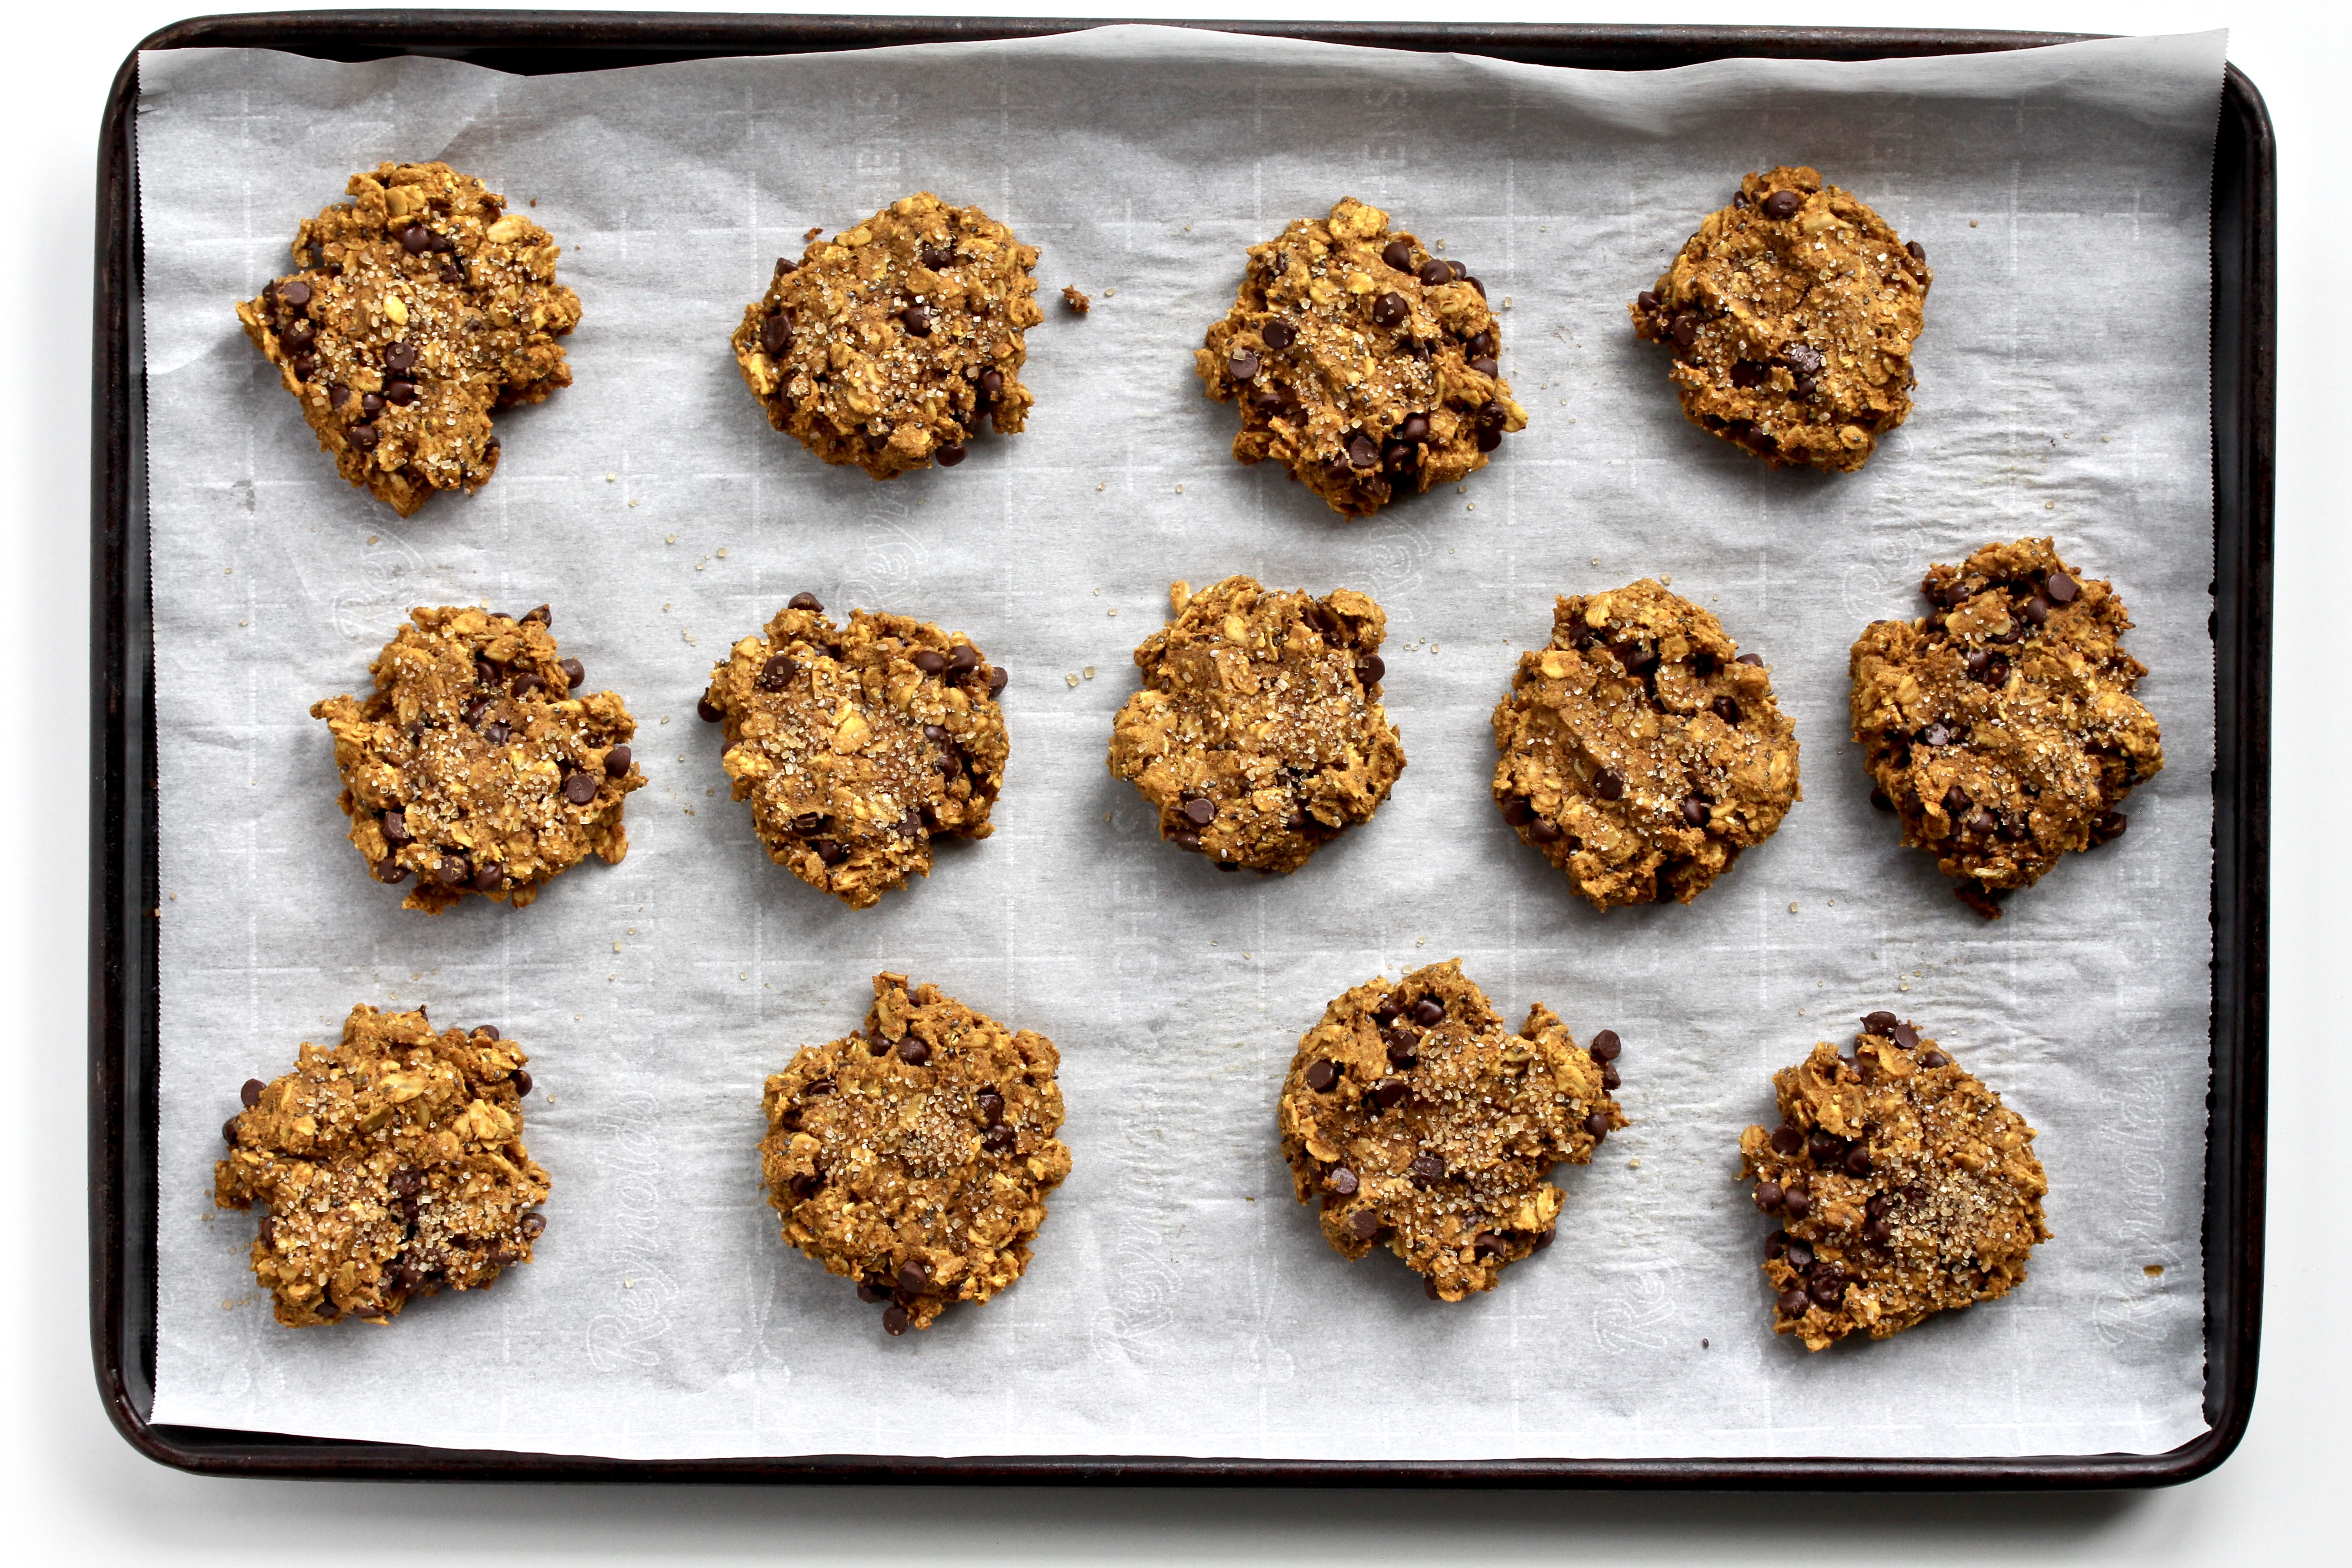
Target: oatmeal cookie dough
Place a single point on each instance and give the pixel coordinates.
(2000, 727)
(481, 762)
(1363, 363)
(418, 308)
(391, 1166)
(857, 745)
(1792, 314)
(1259, 734)
(1640, 750)
(914, 1157)
(886, 346)
(1904, 1187)
(1421, 1123)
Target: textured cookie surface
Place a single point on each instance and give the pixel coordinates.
(1792, 314)
(392, 1165)
(419, 307)
(859, 744)
(1259, 734)
(481, 763)
(886, 346)
(914, 1155)
(1904, 1187)
(1641, 751)
(1420, 1122)
(1363, 363)
(2001, 727)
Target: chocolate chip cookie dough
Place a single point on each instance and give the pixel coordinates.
(1420, 1122)
(1362, 363)
(2000, 727)
(1642, 750)
(914, 1157)
(419, 307)
(1904, 1187)
(481, 762)
(392, 1165)
(1259, 734)
(1792, 314)
(857, 745)
(886, 346)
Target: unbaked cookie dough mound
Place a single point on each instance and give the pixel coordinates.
(481, 763)
(886, 346)
(391, 1166)
(1362, 363)
(1904, 1187)
(1259, 734)
(859, 744)
(2000, 727)
(914, 1155)
(1792, 314)
(1640, 750)
(1421, 1123)
(419, 307)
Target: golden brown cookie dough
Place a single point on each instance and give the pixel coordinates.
(1259, 732)
(914, 1157)
(2002, 727)
(392, 1165)
(1792, 314)
(480, 762)
(1642, 750)
(1419, 1122)
(859, 745)
(420, 307)
(884, 346)
(1362, 363)
(1905, 1188)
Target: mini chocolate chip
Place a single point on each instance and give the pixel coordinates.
(250, 1095)
(999, 1141)
(1456, 271)
(805, 602)
(1823, 1145)
(894, 1320)
(2108, 825)
(575, 674)
(1829, 1291)
(931, 661)
(1793, 1304)
(1976, 661)
(1918, 252)
(1483, 344)
(1486, 1244)
(1427, 1167)
(228, 1130)
(1685, 328)
(391, 873)
(804, 1185)
(364, 436)
(1485, 366)
(869, 1295)
(1365, 1223)
(991, 1107)
(2060, 588)
(1782, 205)
(951, 454)
(963, 659)
(1518, 811)
(300, 332)
(1787, 1141)
(1597, 1125)
(1361, 453)
(1980, 822)
(1796, 1203)
(1748, 374)
(1800, 1255)
(1243, 365)
(1434, 273)
(1608, 785)
(400, 394)
(1646, 300)
(395, 826)
(1389, 310)
(710, 711)
(829, 851)
(1343, 1182)
(1726, 708)
(1199, 813)
(1857, 1161)
(938, 258)
(1388, 1093)
(991, 383)
(775, 335)
(491, 877)
(1605, 1047)
(1767, 1196)
(777, 673)
(997, 678)
(1414, 429)
(521, 1082)
(918, 320)
(1803, 386)
(455, 869)
(496, 731)
(1936, 734)
(1543, 831)
(1399, 255)
(1955, 800)
(1934, 1060)
(1321, 1075)
(580, 788)
(1776, 1245)
(915, 1275)
(1428, 1012)
(913, 1052)
(1695, 810)
(525, 685)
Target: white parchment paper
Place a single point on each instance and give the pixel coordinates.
(1180, 1302)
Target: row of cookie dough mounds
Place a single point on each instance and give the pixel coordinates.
(1790, 315)
(859, 745)
(417, 309)
(2001, 728)
(1640, 750)
(390, 1165)
(1363, 363)
(886, 346)
(1419, 1122)
(1258, 734)
(1904, 1186)
(914, 1155)
(480, 764)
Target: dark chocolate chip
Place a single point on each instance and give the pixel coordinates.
(364, 436)
(1936, 734)
(1365, 1223)
(1726, 708)
(1389, 310)
(1399, 255)
(804, 1185)
(455, 869)
(894, 1320)
(1881, 801)
(525, 685)
(1388, 1093)
(1685, 328)
(228, 1130)
(1803, 359)
(990, 1108)
(1800, 1255)
(870, 1295)
(1279, 334)
(580, 788)
(918, 320)
(496, 731)
(915, 1275)
(1427, 1167)
(1918, 252)
(1456, 271)
(1793, 1304)
(1321, 1075)
(1434, 273)
(997, 678)
(1748, 374)
(1781, 205)
(991, 383)
(1828, 1290)
(963, 659)
(777, 673)
(1343, 1182)
(1485, 366)
(1428, 1012)
(1877, 1231)
(1787, 1141)
(1857, 1161)
(2060, 588)
(1796, 1204)
(951, 454)
(1543, 831)
(1370, 669)
(1486, 1244)
(250, 1095)
(1199, 813)
(1518, 811)
(1879, 1023)
(931, 661)
(1767, 1196)
(1361, 453)
(913, 1052)
(1695, 810)
(1608, 785)
(1597, 1125)
(1414, 429)
(1401, 1056)
(938, 258)
(2108, 825)
(1483, 343)
(395, 826)
(829, 850)
(1776, 1245)
(1243, 365)
(1646, 300)
(710, 711)
(521, 1082)
(775, 335)
(491, 877)
(1824, 1145)
(805, 602)
(1934, 1060)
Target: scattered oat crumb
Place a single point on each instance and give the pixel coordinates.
(1109, 292)
(1793, 909)
(1634, 1163)
(1906, 985)
(664, 718)
(1596, 560)
(1073, 679)
(1421, 942)
(668, 539)
(1668, 581)
(804, 238)
(1179, 490)
(2050, 505)
(1472, 507)
(372, 538)
(1088, 672)
(1078, 304)
(632, 500)
(616, 947)
(609, 477)
(1106, 816)
(2153, 1270)
(1438, 245)
(1506, 301)
(1100, 487)
(722, 552)
(1097, 591)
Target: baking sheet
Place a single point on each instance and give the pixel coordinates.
(1180, 1304)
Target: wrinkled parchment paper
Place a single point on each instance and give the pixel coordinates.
(1180, 1302)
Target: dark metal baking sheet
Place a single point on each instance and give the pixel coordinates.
(124, 881)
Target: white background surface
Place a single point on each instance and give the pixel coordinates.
(76, 1488)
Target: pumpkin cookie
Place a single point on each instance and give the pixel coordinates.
(857, 745)
(481, 762)
(392, 1165)
(1642, 750)
(420, 306)
(1420, 1122)
(886, 346)
(1363, 363)
(2001, 727)
(1904, 1186)
(1792, 314)
(914, 1157)
(1259, 732)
